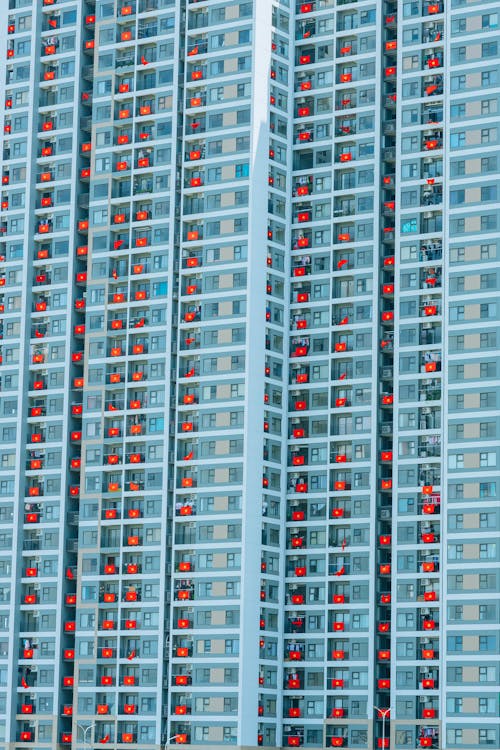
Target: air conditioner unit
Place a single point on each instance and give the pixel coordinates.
(35, 614)
(385, 513)
(425, 641)
(423, 699)
(424, 670)
(34, 669)
(426, 326)
(425, 611)
(36, 587)
(294, 531)
(387, 372)
(426, 581)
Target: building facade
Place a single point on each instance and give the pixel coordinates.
(249, 374)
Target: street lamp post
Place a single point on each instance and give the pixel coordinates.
(174, 737)
(85, 729)
(383, 713)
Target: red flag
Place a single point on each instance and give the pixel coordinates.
(69, 574)
(194, 51)
(342, 262)
(340, 572)
(131, 655)
(117, 244)
(53, 23)
(114, 273)
(190, 373)
(344, 321)
(139, 323)
(344, 542)
(24, 683)
(342, 376)
(104, 739)
(189, 456)
(437, 37)
(143, 60)
(189, 341)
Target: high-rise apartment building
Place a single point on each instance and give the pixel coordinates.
(249, 374)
